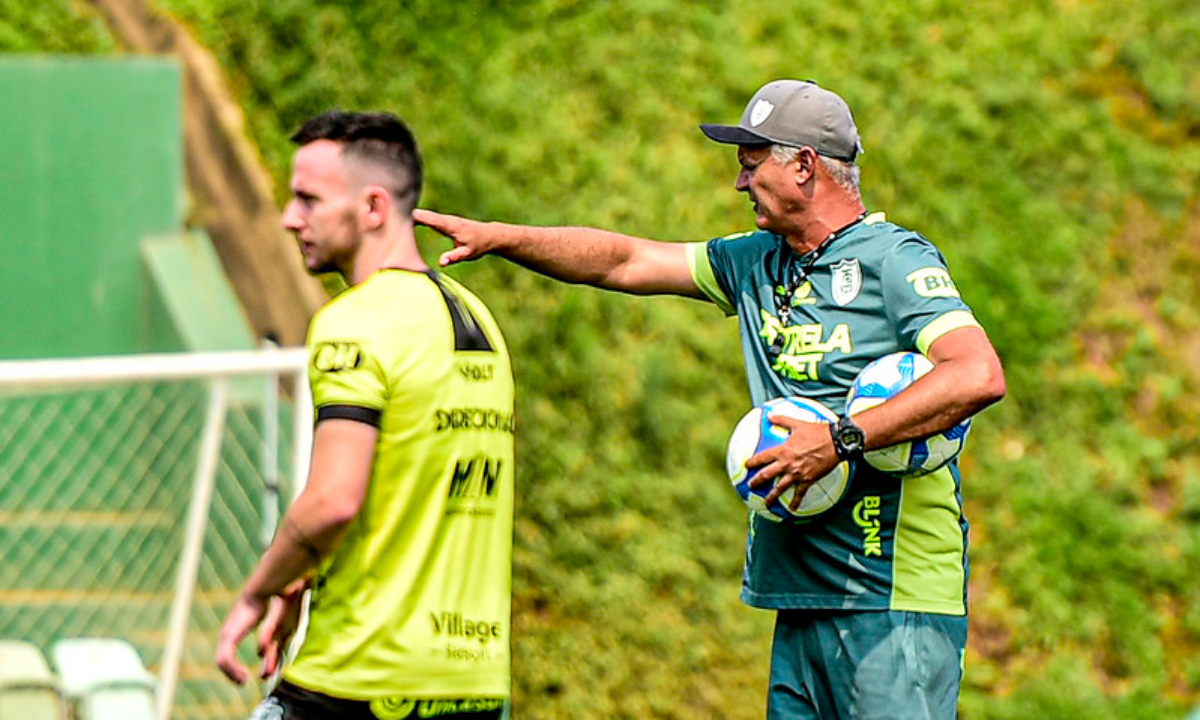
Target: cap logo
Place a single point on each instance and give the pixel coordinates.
(760, 112)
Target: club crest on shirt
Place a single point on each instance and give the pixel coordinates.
(847, 281)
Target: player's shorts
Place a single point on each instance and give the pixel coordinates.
(866, 665)
(292, 702)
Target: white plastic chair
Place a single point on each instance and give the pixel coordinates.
(105, 678)
(28, 689)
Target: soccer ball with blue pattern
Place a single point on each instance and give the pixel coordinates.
(753, 434)
(882, 379)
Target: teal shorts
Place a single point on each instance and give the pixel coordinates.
(885, 665)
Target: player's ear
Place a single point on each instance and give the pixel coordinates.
(376, 204)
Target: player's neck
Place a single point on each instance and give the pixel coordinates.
(394, 251)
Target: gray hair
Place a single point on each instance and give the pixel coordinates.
(844, 173)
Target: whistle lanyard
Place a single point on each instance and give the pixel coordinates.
(784, 307)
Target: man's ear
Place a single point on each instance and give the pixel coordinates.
(806, 165)
(377, 203)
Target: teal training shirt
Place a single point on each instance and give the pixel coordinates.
(878, 288)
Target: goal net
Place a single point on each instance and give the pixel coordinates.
(137, 493)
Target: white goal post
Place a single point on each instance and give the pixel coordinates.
(108, 471)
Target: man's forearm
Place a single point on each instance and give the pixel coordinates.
(600, 258)
(343, 452)
(959, 386)
(292, 555)
(579, 255)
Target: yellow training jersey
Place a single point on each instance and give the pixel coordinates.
(416, 599)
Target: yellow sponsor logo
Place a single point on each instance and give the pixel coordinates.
(866, 516)
(932, 282)
(803, 346)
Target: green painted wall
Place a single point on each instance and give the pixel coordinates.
(189, 283)
(91, 163)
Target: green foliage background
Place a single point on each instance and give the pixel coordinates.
(1052, 151)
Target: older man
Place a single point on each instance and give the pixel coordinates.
(871, 598)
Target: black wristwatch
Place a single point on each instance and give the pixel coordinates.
(848, 438)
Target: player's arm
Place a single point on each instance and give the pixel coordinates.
(966, 378)
(343, 452)
(578, 255)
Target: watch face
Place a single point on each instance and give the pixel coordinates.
(849, 435)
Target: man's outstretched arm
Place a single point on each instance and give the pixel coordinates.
(580, 255)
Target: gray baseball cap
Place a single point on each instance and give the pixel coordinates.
(795, 113)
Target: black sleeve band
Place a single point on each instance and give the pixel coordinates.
(367, 415)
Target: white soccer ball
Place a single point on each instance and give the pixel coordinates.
(882, 379)
(753, 434)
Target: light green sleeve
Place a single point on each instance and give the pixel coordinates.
(702, 274)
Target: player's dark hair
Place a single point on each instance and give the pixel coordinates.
(381, 139)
